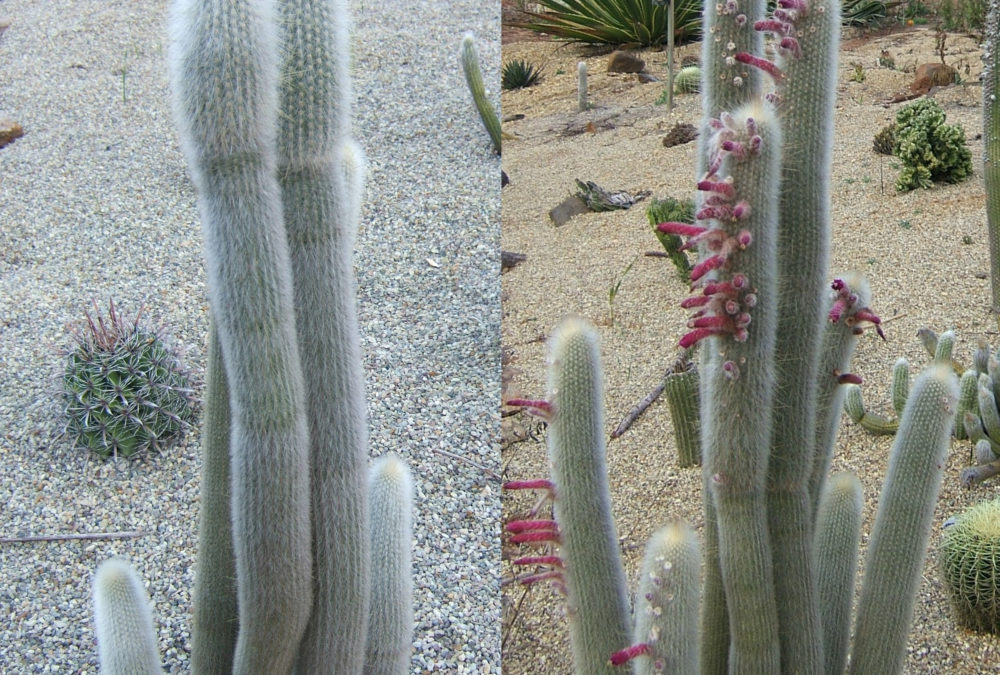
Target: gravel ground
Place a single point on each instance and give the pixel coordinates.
(924, 252)
(96, 202)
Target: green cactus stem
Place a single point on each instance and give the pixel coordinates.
(126, 642)
(581, 86)
(224, 58)
(214, 598)
(321, 174)
(991, 142)
(681, 389)
(871, 422)
(898, 541)
(474, 78)
(390, 623)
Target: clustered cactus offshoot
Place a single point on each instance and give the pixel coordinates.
(125, 390)
(780, 540)
(285, 578)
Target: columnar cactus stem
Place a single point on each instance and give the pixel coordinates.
(595, 578)
(835, 556)
(739, 385)
(581, 86)
(898, 541)
(840, 337)
(991, 141)
(390, 624)
(126, 642)
(321, 175)
(474, 78)
(214, 599)
(225, 59)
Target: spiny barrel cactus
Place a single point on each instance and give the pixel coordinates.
(262, 100)
(969, 554)
(688, 80)
(125, 390)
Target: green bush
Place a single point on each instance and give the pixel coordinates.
(635, 23)
(970, 567)
(518, 74)
(125, 391)
(929, 149)
(963, 15)
(675, 211)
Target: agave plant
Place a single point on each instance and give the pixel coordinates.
(519, 73)
(635, 23)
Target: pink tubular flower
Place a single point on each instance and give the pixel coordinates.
(553, 560)
(536, 407)
(845, 306)
(517, 526)
(539, 484)
(536, 537)
(707, 265)
(542, 576)
(762, 64)
(629, 653)
(682, 229)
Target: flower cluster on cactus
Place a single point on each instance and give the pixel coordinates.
(780, 539)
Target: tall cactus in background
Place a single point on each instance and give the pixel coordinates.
(991, 142)
(262, 99)
(777, 349)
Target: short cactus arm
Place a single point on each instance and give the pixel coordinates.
(838, 531)
(390, 624)
(898, 541)
(872, 422)
(321, 174)
(224, 58)
(126, 642)
(215, 610)
(900, 389)
(666, 606)
(595, 578)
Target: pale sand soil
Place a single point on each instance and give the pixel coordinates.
(910, 245)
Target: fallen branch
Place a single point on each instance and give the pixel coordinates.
(484, 469)
(71, 537)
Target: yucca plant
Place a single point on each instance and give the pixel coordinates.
(519, 73)
(635, 23)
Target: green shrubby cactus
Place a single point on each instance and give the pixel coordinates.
(929, 149)
(262, 99)
(775, 359)
(125, 390)
(969, 555)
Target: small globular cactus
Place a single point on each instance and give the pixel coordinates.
(125, 390)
